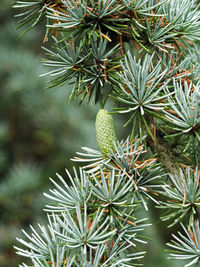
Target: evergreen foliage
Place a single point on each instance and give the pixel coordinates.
(35, 135)
(145, 55)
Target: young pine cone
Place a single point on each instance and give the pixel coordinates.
(105, 131)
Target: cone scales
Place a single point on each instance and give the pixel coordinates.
(105, 131)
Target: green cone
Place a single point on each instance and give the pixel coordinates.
(105, 131)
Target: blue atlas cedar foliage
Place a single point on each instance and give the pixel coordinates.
(144, 55)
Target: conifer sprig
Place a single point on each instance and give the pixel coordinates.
(184, 108)
(142, 91)
(183, 198)
(91, 69)
(68, 197)
(186, 245)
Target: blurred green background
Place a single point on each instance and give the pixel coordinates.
(39, 133)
